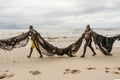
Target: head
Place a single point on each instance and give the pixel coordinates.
(30, 28)
(88, 27)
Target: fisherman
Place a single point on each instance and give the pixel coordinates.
(88, 34)
(33, 35)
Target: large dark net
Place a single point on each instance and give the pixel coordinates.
(50, 50)
(105, 43)
(14, 42)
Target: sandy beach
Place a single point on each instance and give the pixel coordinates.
(58, 27)
(14, 65)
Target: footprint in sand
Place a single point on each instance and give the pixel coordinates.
(107, 70)
(91, 68)
(67, 70)
(112, 70)
(71, 71)
(115, 72)
(118, 68)
(35, 72)
(5, 74)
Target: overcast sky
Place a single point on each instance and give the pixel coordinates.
(59, 13)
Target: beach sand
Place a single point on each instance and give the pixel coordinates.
(14, 65)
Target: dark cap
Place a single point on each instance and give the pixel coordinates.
(30, 27)
(88, 26)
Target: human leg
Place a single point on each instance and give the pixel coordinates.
(85, 48)
(94, 53)
(31, 50)
(37, 48)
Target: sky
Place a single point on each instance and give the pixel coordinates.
(59, 14)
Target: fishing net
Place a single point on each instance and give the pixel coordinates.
(50, 50)
(14, 42)
(105, 43)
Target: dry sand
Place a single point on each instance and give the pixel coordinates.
(14, 65)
